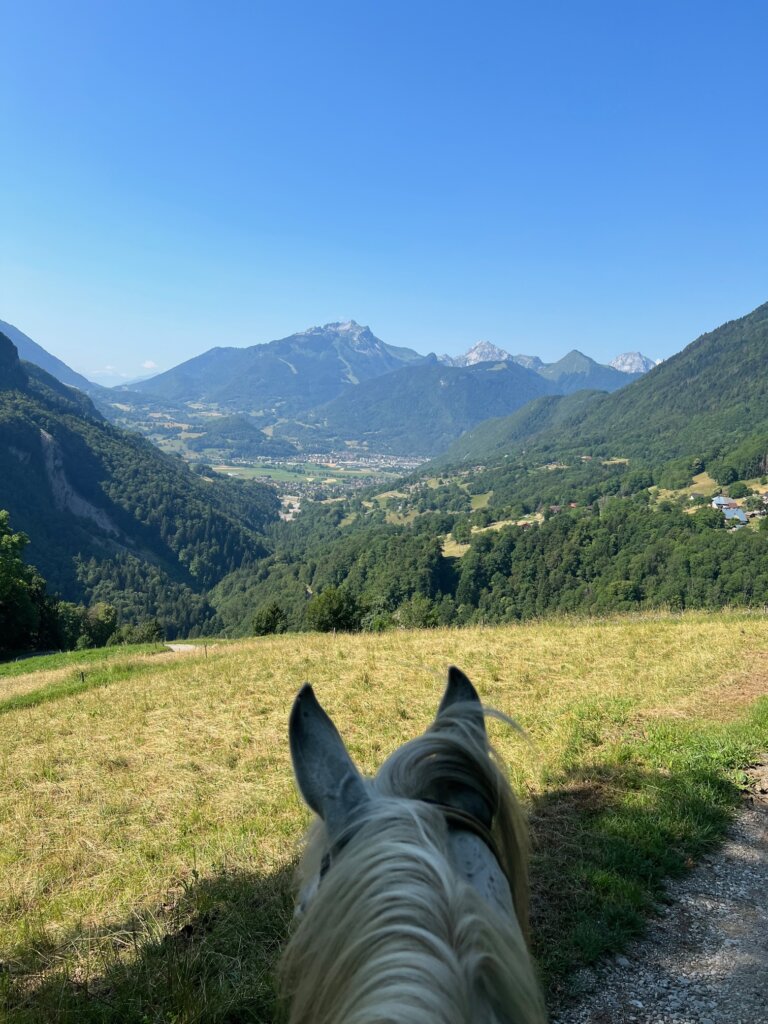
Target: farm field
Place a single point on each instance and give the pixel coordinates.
(306, 472)
(150, 822)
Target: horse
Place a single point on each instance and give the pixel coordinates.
(413, 889)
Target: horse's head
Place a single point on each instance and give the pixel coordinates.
(413, 900)
(449, 768)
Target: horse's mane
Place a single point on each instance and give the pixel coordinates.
(393, 935)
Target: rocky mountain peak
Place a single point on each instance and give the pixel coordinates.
(481, 352)
(354, 334)
(529, 362)
(632, 362)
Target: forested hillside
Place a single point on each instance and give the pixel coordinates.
(623, 552)
(585, 503)
(575, 372)
(108, 515)
(31, 352)
(499, 436)
(419, 410)
(704, 401)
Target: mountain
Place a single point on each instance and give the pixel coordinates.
(529, 362)
(109, 516)
(575, 372)
(632, 362)
(482, 352)
(238, 437)
(708, 402)
(420, 409)
(11, 373)
(281, 378)
(710, 396)
(33, 353)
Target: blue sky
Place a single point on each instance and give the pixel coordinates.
(544, 175)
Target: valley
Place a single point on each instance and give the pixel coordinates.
(540, 458)
(586, 502)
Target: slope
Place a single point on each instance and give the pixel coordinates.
(576, 372)
(150, 823)
(496, 437)
(708, 400)
(108, 515)
(33, 353)
(708, 397)
(419, 410)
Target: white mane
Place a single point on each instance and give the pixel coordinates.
(393, 934)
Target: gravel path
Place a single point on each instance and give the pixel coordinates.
(705, 961)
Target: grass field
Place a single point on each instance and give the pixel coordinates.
(305, 472)
(150, 822)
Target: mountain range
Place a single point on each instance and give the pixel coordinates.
(706, 401)
(575, 364)
(30, 351)
(420, 409)
(329, 386)
(111, 518)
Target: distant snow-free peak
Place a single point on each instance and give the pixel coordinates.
(481, 352)
(632, 362)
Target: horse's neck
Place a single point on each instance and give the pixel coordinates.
(476, 865)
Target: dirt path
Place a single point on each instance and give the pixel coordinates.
(705, 961)
(184, 648)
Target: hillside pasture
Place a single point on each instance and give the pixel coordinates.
(150, 822)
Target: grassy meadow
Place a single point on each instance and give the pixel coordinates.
(149, 819)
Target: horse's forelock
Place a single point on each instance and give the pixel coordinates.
(455, 753)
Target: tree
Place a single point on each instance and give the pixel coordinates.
(101, 623)
(739, 489)
(269, 618)
(462, 531)
(23, 601)
(334, 609)
(148, 632)
(417, 612)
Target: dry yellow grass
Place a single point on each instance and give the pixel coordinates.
(452, 548)
(114, 797)
(703, 483)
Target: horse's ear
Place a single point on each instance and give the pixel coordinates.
(326, 776)
(460, 790)
(459, 690)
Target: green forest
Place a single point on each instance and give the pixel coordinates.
(621, 554)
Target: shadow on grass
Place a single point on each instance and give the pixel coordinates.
(604, 839)
(207, 955)
(603, 845)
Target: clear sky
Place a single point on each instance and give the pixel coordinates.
(544, 175)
